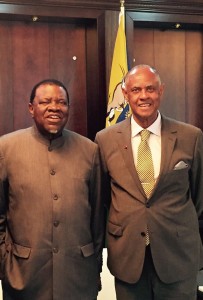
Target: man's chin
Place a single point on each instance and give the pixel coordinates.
(53, 131)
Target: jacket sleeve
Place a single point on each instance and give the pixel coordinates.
(97, 215)
(196, 175)
(106, 181)
(3, 206)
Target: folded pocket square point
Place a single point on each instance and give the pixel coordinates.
(180, 165)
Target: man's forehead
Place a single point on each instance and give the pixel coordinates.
(49, 88)
(140, 79)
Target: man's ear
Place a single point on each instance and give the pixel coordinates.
(125, 94)
(31, 109)
(161, 89)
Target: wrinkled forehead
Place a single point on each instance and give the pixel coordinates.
(49, 89)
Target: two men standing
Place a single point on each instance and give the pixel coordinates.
(51, 211)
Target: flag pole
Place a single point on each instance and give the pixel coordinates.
(118, 108)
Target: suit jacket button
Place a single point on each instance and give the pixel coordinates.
(143, 234)
(52, 172)
(55, 197)
(147, 205)
(56, 223)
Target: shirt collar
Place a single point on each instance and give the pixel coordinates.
(55, 143)
(155, 128)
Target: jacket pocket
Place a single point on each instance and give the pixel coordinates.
(87, 250)
(15, 267)
(18, 250)
(115, 230)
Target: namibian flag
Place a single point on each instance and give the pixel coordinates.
(118, 109)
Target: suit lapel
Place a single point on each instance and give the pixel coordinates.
(168, 139)
(124, 144)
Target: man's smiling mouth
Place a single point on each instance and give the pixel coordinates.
(56, 117)
(144, 105)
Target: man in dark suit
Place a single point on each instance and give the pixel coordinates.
(51, 224)
(154, 247)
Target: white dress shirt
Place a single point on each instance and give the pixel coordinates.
(154, 142)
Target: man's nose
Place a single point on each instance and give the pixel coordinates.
(143, 94)
(54, 106)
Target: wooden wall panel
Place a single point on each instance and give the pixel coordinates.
(30, 44)
(68, 64)
(6, 87)
(143, 48)
(39, 51)
(177, 55)
(194, 77)
(190, 6)
(169, 53)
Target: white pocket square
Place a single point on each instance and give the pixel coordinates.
(180, 165)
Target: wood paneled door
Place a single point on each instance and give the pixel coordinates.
(176, 51)
(67, 51)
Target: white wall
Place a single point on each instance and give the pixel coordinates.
(108, 291)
